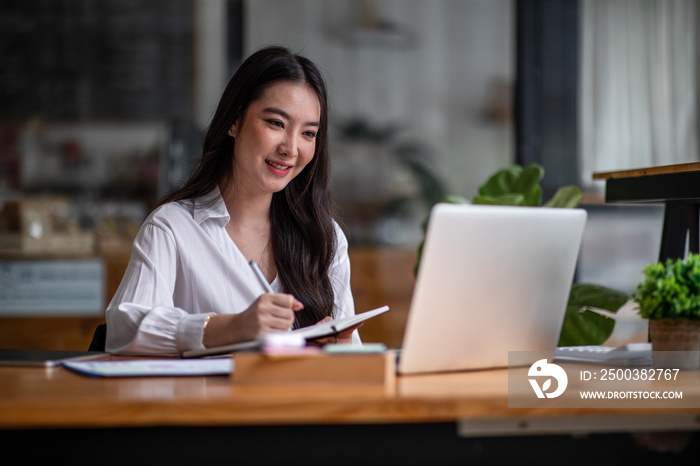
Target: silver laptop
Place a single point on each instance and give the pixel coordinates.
(492, 279)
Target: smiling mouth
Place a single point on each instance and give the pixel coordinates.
(277, 165)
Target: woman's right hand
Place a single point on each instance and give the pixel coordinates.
(271, 312)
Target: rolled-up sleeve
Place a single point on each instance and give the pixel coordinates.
(142, 319)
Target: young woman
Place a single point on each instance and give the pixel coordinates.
(260, 192)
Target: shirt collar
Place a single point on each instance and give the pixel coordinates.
(210, 205)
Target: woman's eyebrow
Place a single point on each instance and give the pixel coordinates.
(286, 115)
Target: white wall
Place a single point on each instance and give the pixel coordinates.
(439, 88)
(209, 58)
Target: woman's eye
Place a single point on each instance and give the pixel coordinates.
(276, 123)
(310, 134)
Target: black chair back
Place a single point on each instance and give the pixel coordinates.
(99, 339)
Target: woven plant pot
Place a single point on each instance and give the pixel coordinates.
(676, 335)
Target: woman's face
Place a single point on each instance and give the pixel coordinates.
(276, 138)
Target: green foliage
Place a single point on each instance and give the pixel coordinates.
(583, 326)
(566, 197)
(518, 186)
(513, 185)
(670, 290)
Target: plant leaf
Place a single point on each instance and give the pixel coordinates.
(584, 327)
(528, 184)
(670, 289)
(596, 296)
(512, 181)
(454, 199)
(420, 253)
(501, 182)
(534, 196)
(530, 176)
(567, 197)
(504, 199)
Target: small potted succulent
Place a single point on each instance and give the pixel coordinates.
(669, 297)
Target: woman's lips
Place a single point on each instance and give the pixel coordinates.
(278, 167)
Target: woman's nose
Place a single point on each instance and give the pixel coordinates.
(289, 146)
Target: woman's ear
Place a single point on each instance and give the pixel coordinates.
(232, 130)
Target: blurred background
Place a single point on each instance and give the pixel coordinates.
(103, 106)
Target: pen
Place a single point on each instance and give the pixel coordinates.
(261, 277)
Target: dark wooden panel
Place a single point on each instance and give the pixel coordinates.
(101, 59)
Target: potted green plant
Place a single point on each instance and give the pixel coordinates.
(520, 186)
(669, 297)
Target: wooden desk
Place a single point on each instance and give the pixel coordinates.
(55, 404)
(55, 397)
(677, 186)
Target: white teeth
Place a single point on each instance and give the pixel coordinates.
(277, 166)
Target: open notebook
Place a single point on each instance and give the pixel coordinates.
(311, 332)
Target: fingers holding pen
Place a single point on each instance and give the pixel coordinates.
(275, 312)
(273, 309)
(286, 301)
(271, 312)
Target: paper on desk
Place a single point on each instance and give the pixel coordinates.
(152, 367)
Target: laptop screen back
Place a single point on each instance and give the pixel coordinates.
(492, 279)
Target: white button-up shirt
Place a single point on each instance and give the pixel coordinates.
(184, 266)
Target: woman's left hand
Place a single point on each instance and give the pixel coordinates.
(343, 337)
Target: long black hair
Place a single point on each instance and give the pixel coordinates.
(301, 215)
